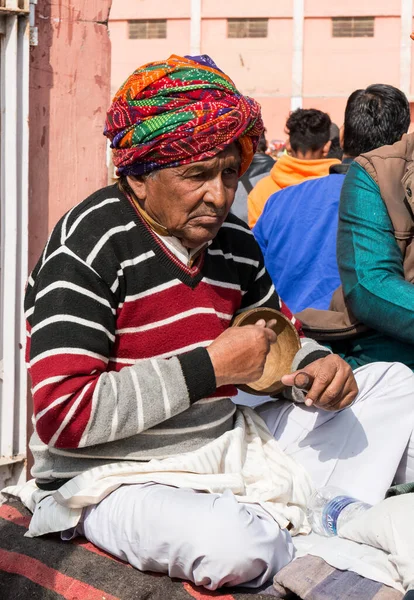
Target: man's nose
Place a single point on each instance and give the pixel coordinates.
(216, 193)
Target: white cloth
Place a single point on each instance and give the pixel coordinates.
(175, 246)
(378, 544)
(209, 539)
(388, 526)
(246, 460)
(357, 449)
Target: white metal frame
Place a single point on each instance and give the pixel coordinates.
(14, 133)
(297, 55)
(195, 44)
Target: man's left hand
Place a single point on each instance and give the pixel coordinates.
(334, 386)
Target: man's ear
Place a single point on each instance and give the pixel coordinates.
(326, 148)
(288, 147)
(138, 185)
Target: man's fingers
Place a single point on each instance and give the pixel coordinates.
(331, 396)
(348, 393)
(289, 379)
(303, 381)
(334, 398)
(314, 385)
(271, 335)
(346, 399)
(322, 380)
(269, 328)
(342, 391)
(330, 382)
(262, 323)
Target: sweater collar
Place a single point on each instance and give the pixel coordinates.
(341, 169)
(289, 170)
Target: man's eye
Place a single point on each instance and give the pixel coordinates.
(230, 172)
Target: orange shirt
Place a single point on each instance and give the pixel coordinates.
(286, 171)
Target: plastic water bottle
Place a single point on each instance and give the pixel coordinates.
(329, 508)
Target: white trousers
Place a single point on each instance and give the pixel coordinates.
(210, 539)
(358, 449)
(213, 540)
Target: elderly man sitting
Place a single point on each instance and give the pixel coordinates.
(137, 443)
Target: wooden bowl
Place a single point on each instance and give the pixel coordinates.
(282, 352)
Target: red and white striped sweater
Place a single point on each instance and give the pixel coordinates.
(117, 331)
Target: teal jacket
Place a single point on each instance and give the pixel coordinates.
(371, 269)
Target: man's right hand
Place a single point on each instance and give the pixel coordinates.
(239, 353)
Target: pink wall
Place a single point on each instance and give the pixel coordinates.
(335, 107)
(257, 65)
(233, 8)
(161, 9)
(412, 59)
(150, 9)
(275, 112)
(354, 8)
(69, 94)
(337, 66)
(332, 67)
(128, 54)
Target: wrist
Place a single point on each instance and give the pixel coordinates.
(219, 373)
(198, 373)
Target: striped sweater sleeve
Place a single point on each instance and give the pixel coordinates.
(71, 334)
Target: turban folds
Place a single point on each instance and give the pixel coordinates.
(177, 111)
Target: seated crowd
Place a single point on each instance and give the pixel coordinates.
(139, 443)
(297, 230)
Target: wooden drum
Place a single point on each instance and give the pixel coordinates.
(280, 357)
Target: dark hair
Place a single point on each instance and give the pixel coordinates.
(374, 117)
(262, 143)
(308, 129)
(335, 151)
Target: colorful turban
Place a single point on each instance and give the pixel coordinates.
(177, 111)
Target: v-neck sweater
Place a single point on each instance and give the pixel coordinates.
(117, 333)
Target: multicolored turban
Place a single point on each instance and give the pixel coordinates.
(177, 111)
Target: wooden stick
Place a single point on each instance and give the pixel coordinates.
(303, 381)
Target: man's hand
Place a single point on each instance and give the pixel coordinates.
(334, 386)
(239, 353)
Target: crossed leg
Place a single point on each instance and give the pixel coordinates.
(209, 539)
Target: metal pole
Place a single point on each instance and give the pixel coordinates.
(23, 226)
(195, 42)
(9, 199)
(297, 58)
(14, 89)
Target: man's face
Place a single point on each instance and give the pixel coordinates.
(192, 200)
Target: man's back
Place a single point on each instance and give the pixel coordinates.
(287, 171)
(297, 235)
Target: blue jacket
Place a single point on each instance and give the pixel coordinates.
(297, 235)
